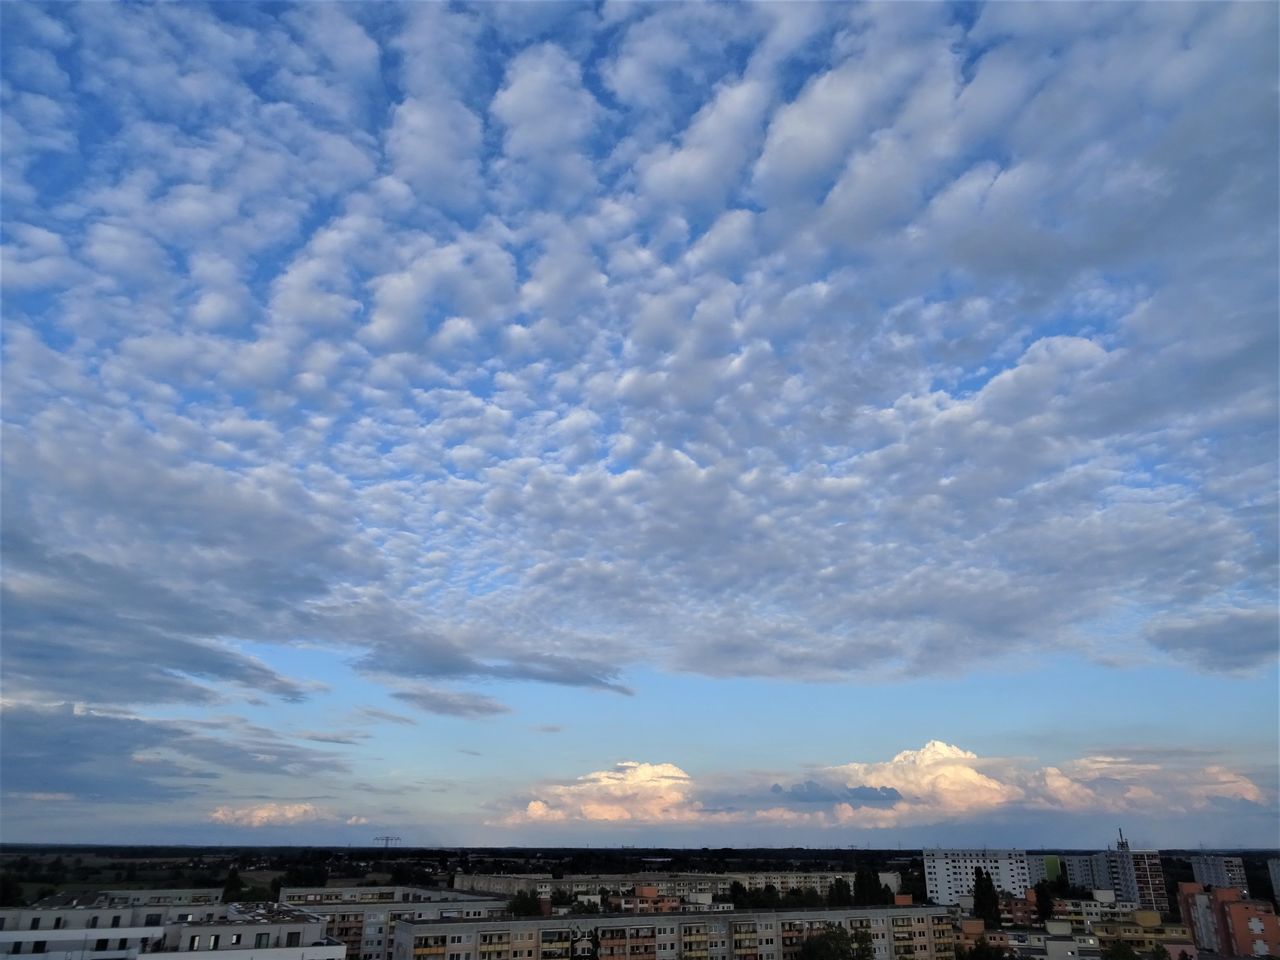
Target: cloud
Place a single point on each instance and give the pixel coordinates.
(268, 815)
(631, 791)
(450, 703)
(513, 346)
(937, 784)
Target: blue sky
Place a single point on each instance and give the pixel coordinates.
(682, 423)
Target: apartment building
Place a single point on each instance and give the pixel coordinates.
(949, 874)
(1214, 871)
(105, 925)
(1104, 907)
(688, 886)
(1143, 930)
(1224, 922)
(1273, 870)
(1059, 940)
(918, 933)
(364, 918)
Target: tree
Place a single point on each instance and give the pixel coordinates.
(1119, 950)
(234, 885)
(10, 890)
(1044, 900)
(863, 947)
(867, 890)
(986, 902)
(1158, 952)
(525, 904)
(839, 894)
(982, 950)
(831, 944)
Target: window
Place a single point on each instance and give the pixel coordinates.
(153, 920)
(123, 944)
(193, 943)
(213, 941)
(100, 944)
(35, 923)
(235, 939)
(57, 923)
(115, 921)
(293, 938)
(38, 947)
(262, 940)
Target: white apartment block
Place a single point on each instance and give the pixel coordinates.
(109, 926)
(1215, 871)
(1079, 870)
(949, 874)
(898, 933)
(364, 918)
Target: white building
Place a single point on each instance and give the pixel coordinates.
(103, 926)
(1133, 874)
(687, 885)
(949, 874)
(1214, 871)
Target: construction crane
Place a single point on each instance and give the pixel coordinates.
(386, 841)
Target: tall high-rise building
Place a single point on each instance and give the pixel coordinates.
(1215, 871)
(1134, 875)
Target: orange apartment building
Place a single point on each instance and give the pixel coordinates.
(1223, 921)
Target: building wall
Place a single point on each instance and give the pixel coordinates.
(898, 933)
(949, 874)
(1215, 871)
(364, 918)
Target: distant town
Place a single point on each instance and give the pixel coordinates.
(393, 903)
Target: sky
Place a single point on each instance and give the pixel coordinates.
(687, 424)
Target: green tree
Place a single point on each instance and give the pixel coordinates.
(867, 891)
(1158, 952)
(986, 902)
(839, 894)
(525, 904)
(831, 944)
(10, 890)
(982, 950)
(1044, 900)
(863, 947)
(233, 886)
(1119, 950)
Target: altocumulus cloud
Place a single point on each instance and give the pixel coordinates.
(495, 345)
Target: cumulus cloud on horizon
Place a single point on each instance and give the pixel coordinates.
(939, 783)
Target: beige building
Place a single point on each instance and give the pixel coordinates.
(919, 933)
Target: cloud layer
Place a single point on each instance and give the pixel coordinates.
(939, 783)
(493, 347)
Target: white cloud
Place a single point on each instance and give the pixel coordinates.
(268, 815)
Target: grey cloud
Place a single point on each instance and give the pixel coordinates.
(1220, 640)
(123, 759)
(811, 791)
(451, 703)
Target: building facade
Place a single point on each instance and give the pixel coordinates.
(104, 926)
(1223, 921)
(689, 886)
(897, 933)
(949, 874)
(1214, 871)
(364, 918)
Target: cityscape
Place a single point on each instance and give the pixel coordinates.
(405, 904)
